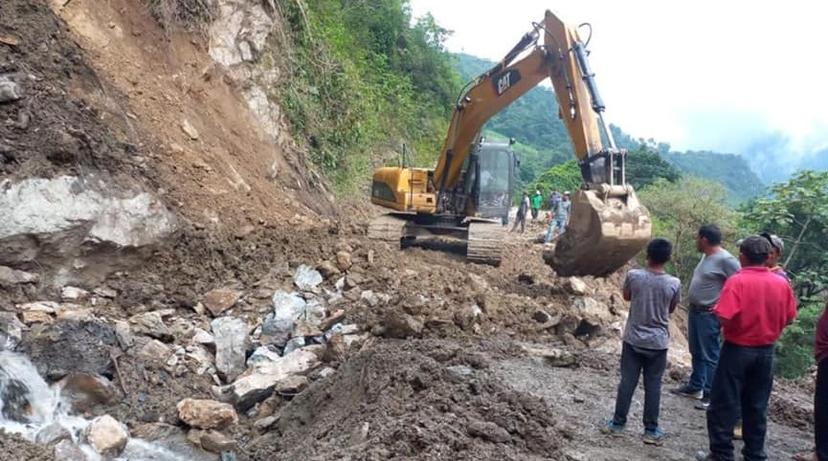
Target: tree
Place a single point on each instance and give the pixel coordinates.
(645, 166)
(797, 211)
(679, 208)
(563, 177)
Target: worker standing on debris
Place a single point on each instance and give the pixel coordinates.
(755, 306)
(653, 296)
(554, 200)
(703, 335)
(522, 211)
(561, 215)
(537, 201)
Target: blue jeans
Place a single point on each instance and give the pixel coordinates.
(634, 360)
(556, 226)
(703, 338)
(743, 381)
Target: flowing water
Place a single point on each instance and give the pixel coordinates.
(28, 406)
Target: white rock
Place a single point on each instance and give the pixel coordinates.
(307, 278)
(107, 436)
(11, 330)
(576, 286)
(261, 355)
(73, 294)
(259, 384)
(206, 414)
(201, 336)
(231, 346)
(48, 307)
(9, 277)
(277, 325)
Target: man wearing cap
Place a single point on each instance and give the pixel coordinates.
(777, 247)
(754, 307)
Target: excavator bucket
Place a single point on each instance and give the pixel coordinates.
(603, 234)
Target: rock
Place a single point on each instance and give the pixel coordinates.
(30, 317)
(107, 436)
(57, 222)
(220, 299)
(48, 307)
(526, 278)
(552, 356)
(328, 269)
(154, 431)
(105, 292)
(11, 331)
(52, 433)
(231, 346)
(265, 423)
(354, 279)
(593, 311)
(71, 346)
(9, 90)
(343, 260)
(370, 257)
(206, 414)
(151, 324)
(477, 283)
(488, 431)
(336, 349)
(401, 325)
(10, 277)
(124, 334)
(216, 442)
(306, 278)
(86, 391)
(294, 344)
(336, 317)
(360, 434)
(203, 337)
(65, 450)
(154, 351)
(292, 385)
(189, 129)
(261, 382)
(576, 286)
(541, 316)
(467, 317)
(370, 298)
(73, 294)
(277, 326)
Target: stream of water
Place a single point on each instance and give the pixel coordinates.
(28, 405)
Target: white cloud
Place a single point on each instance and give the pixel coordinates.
(700, 75)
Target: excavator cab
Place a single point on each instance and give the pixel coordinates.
(490, 181)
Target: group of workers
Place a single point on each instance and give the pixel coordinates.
(557, 218)
(746, 301)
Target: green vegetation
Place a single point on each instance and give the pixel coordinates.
(646, 166)
(728, 169)
(795, 349)
(562, 178)
(363, 80)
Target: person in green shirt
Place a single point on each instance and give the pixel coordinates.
(537, 200)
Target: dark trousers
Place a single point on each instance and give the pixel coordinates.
(634, 360)
(743, 379)
(821, 411)
(703, 338)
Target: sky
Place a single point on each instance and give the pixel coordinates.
(701, 75)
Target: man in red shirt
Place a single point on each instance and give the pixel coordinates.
(754, 308)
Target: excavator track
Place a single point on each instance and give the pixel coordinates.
(485, 243)
(387, 227)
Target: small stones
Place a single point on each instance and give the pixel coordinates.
(73, 294)
(307, 278)
(328, 269)
(9, 277)
(401, 325)
(231, 346)
(154, 351)
(541, 316)
(206, 414)
(9, 90)
(576, 286)
(343, 260)
(189, 130)
(220, 299)
(151, 324)
(488, 431)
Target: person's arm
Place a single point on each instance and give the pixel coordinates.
(729, 302)
(676, 299)
(791, 306)
(730, 266)
(627, 291)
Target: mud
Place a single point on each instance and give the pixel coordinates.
(15, 447)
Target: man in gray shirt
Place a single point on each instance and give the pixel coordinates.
(653, 296)
(703, 328)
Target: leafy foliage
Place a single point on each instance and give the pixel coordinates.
(679, 208)
(797, 211)
(794, 351)
(645, 166)
(561, 178)
(364, 80)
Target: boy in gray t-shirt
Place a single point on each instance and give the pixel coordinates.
(653, 296)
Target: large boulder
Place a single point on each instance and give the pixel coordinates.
(266, 376)
(206, 414)
(71, 346)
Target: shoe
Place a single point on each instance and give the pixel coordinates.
(686, 391)
(737, 432)
(613, 428)
(654, 437)
(705, 456)
(703, 403)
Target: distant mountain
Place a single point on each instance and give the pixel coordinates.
(533, 121)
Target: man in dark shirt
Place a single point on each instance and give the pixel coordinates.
(754, 308)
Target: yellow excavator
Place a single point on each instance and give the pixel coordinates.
(469, 193)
